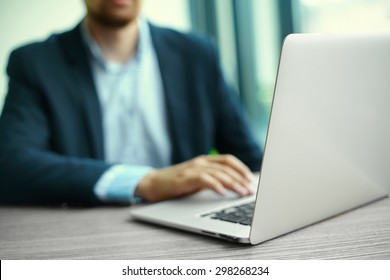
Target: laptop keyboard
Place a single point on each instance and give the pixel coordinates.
(241, 214)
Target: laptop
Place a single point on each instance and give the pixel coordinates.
(327, 149)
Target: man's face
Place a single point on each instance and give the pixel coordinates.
(113, 13)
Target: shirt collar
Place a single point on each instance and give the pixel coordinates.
(144, 44)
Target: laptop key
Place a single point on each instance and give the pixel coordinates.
(234, 218)
(241, 214)
(247, 222)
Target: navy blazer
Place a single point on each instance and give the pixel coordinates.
(51, 138)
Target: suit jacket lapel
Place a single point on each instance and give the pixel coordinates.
(76, 52)
(172, 71)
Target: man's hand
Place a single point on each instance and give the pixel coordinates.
(219, 173)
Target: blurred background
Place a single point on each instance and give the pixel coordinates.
(248, 33)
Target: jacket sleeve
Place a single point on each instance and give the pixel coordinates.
(30, 172)
(233, 134)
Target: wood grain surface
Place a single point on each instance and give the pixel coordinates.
(109, 233)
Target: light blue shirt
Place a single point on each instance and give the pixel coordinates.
(135, 130)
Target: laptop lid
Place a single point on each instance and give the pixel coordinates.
(327, 145)
(327, 149)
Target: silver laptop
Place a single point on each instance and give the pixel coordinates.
(327, 148)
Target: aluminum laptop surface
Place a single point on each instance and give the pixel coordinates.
(327, 149)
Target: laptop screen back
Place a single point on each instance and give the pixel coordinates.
(327, 149)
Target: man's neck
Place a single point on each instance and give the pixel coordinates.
(117, 43)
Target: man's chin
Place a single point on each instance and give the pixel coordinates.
(117, 23)
(114, 22)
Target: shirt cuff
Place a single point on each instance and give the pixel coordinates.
(119, 182)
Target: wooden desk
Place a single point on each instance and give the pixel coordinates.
(108, 233)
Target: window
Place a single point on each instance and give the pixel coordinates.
(247, 35)
(250, 33)
(342, 15)
(267, 39)
(172, 13)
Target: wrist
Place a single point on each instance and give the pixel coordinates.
(144, 188)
